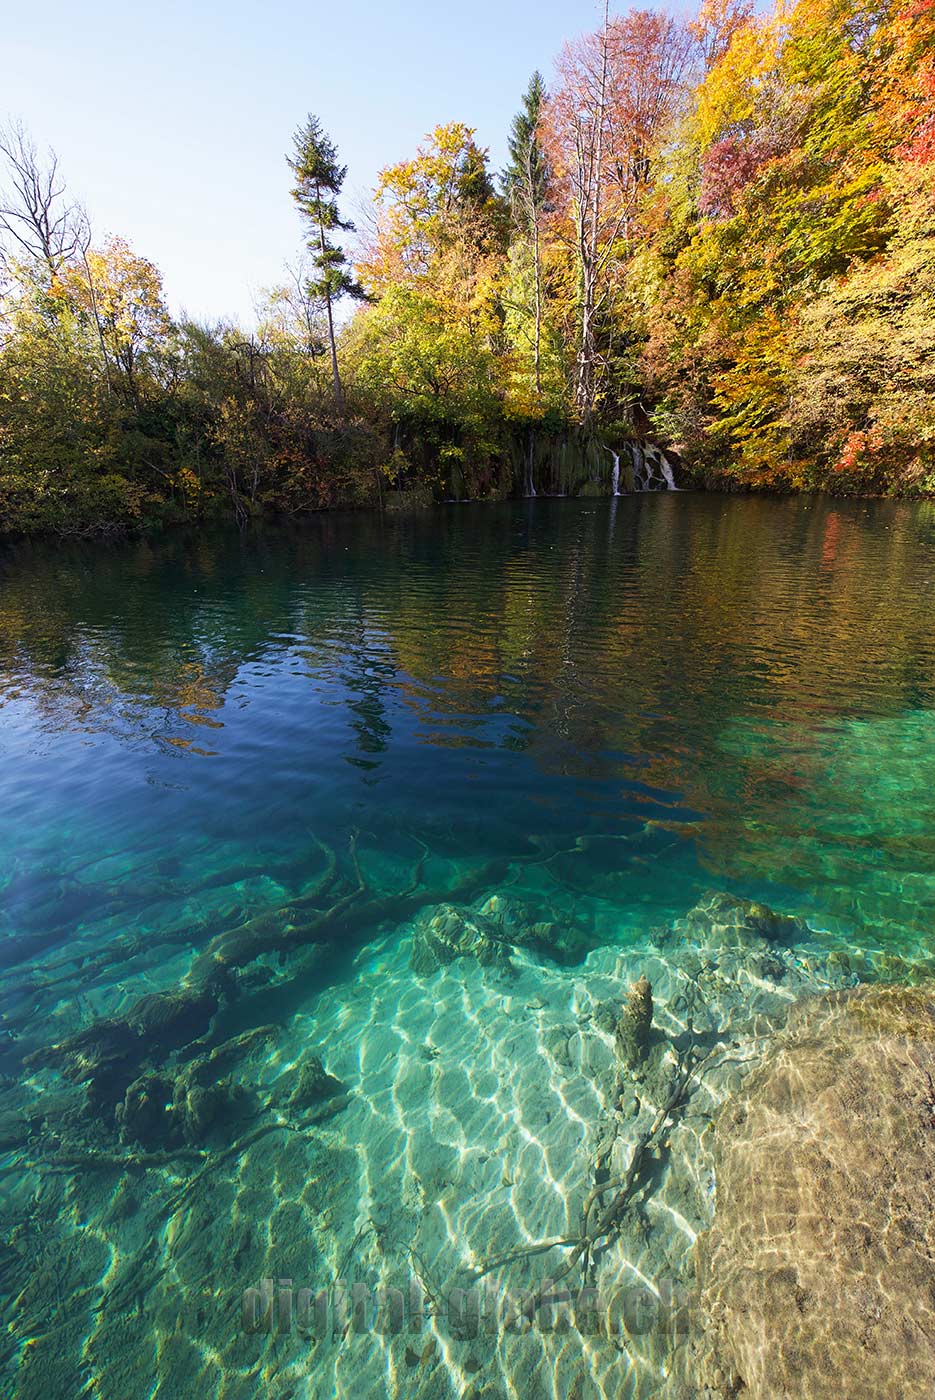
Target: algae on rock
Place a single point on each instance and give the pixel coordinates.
(817, 1277)
(635, 1023)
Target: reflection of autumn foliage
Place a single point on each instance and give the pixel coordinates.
(754, 677)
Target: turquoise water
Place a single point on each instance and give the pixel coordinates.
(745, 689)
(602, 708)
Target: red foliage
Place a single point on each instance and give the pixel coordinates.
(728, 166)
(859, 446)
(913, 88)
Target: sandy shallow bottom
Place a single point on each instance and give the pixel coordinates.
(478, 1102)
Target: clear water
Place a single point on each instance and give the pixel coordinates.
(745, 688)
(608, 707)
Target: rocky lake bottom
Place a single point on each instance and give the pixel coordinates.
(363, 1200)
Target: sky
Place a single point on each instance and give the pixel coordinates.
(171, 121)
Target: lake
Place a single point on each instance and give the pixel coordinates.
(248, 766)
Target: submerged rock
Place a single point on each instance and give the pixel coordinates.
(635, 1023)
(722, 920)
(564, 942)
(314, 1085)
(449, 933)
(142, 1117)
(159, 1111)
(818, 1274)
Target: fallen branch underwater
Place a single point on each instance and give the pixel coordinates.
(606, 1224)
(109, 1053)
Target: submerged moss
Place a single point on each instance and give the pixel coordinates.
(635, 1023)
(817, 1276)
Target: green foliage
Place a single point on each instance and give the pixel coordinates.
(319, 180)
(528, 175)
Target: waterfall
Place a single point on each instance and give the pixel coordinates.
(529, 487)
(651, 469)
(615, 475)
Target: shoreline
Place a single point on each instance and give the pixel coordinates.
(402, 508)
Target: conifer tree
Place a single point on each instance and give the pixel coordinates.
(319, 179)
(526, 181)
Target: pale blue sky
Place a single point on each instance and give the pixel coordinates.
(171, 121)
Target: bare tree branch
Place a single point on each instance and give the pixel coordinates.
(36, 217)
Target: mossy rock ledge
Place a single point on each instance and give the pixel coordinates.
(817, 1277)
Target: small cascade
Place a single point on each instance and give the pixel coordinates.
(651, 469)
(615, 475)
(529, 486)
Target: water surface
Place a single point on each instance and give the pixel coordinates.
(255, 764)
(744, 687)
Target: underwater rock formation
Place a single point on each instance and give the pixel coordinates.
(446, 933)
(724, 920)
(313, 1085)
(564, 943)
(162, 1111)
(635, 1023)
(142, 1115)
(818, 1274)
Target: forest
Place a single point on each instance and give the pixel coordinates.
(717, 236)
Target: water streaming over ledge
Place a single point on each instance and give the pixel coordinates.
(349, 839)
(651, 468)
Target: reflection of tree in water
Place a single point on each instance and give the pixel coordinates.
(609, 657)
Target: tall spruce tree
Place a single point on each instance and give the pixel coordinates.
(526, 183)
(319, 179)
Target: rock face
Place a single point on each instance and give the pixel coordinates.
(817, 1278)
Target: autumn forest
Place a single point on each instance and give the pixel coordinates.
(717, 236)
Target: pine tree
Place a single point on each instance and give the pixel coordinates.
(319, 179)
(526, 182)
